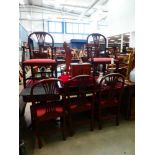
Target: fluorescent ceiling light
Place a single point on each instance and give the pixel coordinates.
(21, 2)
(112, 40)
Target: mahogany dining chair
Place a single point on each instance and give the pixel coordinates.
(79, 97)
(40, 58)
(108, 99)
(48, 107)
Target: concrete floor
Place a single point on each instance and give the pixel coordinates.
(111, 140)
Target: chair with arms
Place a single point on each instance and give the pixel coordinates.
(97, 52)
(79, 97)
(109, 97)
(46, 105)
(41, 56)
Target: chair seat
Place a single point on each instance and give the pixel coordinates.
(101, 59)
(41, 111)
(39, 61)
(74, 107)
(109, 102)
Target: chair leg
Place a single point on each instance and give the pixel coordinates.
(24, 76)
(38, 139)
(92, 121)
(117, 117)
(71, 130)
(99, 119)
(64, 128)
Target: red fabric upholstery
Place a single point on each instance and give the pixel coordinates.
(64, 78)
(39, 61)
(84, 107)
(102, 59)
(42, 111)
(106, 103)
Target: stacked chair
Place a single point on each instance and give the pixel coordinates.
(97, 54)
(41, 58)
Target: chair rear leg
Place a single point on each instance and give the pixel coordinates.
(117, 116)
(71, 130)
(63, 127)
(92, 121)
(99, 119)
(38, 139)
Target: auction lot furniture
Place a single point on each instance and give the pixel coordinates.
(41, 55)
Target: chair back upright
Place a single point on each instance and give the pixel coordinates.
(46, 95)
(79, 89)
(41, 45)
(111, 87)
(96, 45)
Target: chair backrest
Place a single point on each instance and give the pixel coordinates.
(45, 91)
(96, 45)
(41, 45)
(111, 86)
(80, 87)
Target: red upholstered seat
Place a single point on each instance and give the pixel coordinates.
(74, 107)
(41, 111)
(108, 102)
(39, 61)
(102, 59)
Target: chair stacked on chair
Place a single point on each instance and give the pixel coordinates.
(96, 52)
(41, 57)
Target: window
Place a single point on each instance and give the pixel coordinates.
(77, 28)
(55, 27)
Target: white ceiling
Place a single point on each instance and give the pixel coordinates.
(86, 10)
(77, 9)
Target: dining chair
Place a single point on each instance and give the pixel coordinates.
(79, 98)
(41, 54)
(97, 53)
(96, 45)
(109, 97)
(47, 107)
